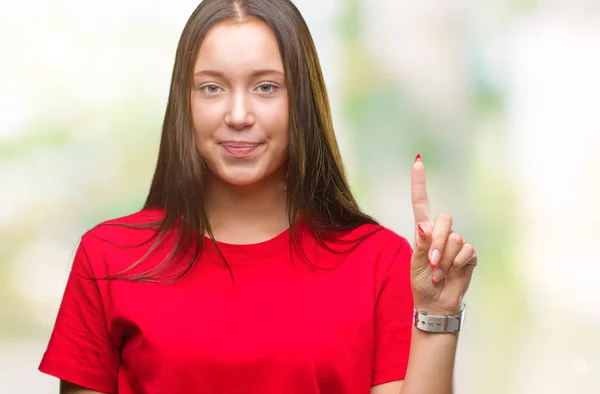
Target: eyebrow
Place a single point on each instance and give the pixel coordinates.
(253, 74)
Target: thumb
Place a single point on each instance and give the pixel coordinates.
(423, 239)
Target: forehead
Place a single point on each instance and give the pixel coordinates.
(233, 47)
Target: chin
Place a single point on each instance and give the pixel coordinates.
(241, 178)
(241, 181)
(244, 176)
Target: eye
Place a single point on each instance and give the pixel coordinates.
(210, 89)
(267, 88)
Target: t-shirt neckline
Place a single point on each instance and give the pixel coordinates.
(252, 251)
(241, 252)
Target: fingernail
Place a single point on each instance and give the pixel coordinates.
(434, 258)
(438, 275)
(418, 158)
(421, 233)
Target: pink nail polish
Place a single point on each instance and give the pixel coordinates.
(434, 258)
(438, 275)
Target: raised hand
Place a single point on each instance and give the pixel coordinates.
(442, 262)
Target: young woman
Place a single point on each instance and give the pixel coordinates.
(251, 269)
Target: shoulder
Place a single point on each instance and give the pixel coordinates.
(370, 245)
(387, 252)
(129, 229)
(391, 255)
(119, 242)
(376, 239)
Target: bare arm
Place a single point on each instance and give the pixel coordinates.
(439, 281)
(388, 388)
(70, 388)
(431, 365)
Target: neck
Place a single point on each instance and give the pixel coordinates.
(247, 214)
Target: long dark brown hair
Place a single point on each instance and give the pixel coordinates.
(318, 193)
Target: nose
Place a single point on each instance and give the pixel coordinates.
(240, 114)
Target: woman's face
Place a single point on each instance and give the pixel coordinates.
(239, 102)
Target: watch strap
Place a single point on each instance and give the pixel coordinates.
(439, 324)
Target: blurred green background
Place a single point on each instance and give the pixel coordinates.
(499, 96)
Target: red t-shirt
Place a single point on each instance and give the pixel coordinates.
(280, 327)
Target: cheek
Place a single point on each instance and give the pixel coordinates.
(276, 123)
(206, 119)
(284, 129)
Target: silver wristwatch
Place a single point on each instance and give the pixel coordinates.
(443, 324)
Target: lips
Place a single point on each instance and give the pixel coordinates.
(239, 148)
(240, 144)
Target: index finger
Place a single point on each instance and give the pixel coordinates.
(420, 201)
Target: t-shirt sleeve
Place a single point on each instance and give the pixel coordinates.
(80, 349)
(393, 319)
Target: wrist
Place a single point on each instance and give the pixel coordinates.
(438, 311)
(426, 334)
(449, 307)
(439, 320)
